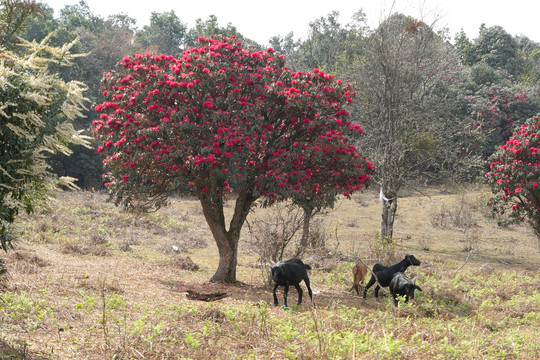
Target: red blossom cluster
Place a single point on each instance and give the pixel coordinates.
(514, 174)
(221, 116)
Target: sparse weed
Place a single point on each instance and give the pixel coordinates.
(191, 339)
(24, 311)
(382, 250)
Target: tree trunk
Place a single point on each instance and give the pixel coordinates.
(226, 241)
(228, 258)
(388, 215)
(537, 233)
(308, 213)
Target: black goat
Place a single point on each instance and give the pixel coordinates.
(290, 272)
(401, 285)
(385, 274)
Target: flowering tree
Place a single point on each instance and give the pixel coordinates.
(219, 120)
(515, 176)
(37, 109)
(496, 110)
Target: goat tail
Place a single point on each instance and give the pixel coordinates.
(307, 266)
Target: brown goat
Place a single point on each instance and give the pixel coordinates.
(359, 273)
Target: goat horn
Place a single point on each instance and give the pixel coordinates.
(414, 281)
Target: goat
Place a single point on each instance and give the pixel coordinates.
(401, 285)
(359, 274)
(290, 272)
(382, 275)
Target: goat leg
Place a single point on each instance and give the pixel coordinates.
(306, 280)
(299, 289)
(369, 284)
(275, 297)
(310, 292)
(285, 293)
(377, 291)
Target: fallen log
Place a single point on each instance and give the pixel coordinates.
(193, 295)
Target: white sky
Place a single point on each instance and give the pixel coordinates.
(261, 19)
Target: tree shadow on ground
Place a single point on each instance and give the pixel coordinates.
(17, 350)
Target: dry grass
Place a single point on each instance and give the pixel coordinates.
(90, 282)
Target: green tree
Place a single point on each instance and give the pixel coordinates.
(518, 56)
(497, 48)
(465, 48)
(41, 24)
(514, 177)
(13, 16)
(36, 110)
(223, 119)
(210, 26)
(80, 16)
(529, 53)
(330, 45)
(166, 34)
(289, 47)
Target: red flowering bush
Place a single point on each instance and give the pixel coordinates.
(496, 110)
(223, 119)
(515, 176)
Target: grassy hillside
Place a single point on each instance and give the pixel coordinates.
(88, 281)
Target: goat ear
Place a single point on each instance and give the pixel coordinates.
(418, 288)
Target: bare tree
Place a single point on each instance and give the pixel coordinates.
(404, 104)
